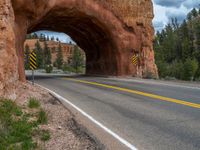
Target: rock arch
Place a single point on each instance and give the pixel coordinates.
(109, 31)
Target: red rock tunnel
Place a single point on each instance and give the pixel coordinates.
(109, 31)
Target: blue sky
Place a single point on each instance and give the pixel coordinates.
(164, 10)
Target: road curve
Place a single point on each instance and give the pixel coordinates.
(146, 121)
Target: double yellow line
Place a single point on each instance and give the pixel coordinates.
(154, 96)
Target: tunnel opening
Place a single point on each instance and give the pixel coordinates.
(55, 53)
(90, 35)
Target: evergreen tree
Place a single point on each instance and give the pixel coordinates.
(194, 13)
(47, 54)
(77, 59)
(190, 68)
(47, 38)
(42, 37)
(27, 52)
(189, 16)
(28, 36)
(59, 60)
(52, 38)
(177, 48)
(39, 55)
(34, 36)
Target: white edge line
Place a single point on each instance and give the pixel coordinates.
(123, 141)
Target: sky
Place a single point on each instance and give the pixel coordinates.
(164, 10)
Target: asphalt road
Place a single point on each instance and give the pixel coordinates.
(151, 115)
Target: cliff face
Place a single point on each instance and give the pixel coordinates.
(8, 57)
(109, 31)
(67, 49)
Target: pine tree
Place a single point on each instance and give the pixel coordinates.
(34, 36)
(39, 55)
(189, 16)
(177, 48)
(77, 59)
(190, 69)
(59, 60)
(47, 54)
(27, 52)
(47, 38)
(194, 13)
(28, 36)
(42, 37)
(52, 38)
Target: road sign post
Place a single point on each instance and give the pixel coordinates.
(33, 64)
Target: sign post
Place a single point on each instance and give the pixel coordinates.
(33, 64)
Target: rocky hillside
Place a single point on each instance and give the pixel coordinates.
(67, 49)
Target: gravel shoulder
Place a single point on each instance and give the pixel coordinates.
(66, 132)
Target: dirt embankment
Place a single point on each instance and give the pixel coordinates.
(66, 132)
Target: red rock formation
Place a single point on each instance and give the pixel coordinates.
(109, 31)
(67, 49)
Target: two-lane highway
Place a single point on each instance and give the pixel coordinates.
(151, 115)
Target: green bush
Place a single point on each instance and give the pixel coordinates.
(190, 69)
(15, 131)
(162, 69)
(48, 68)
(45, 135)
(42, 117)
(67, 68)
(149, 75)
(197, 75)
(33, 103)
(176, 70)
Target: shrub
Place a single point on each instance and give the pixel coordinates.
(42, 117)
(15, 131)
(190, 69)
(45, 135)
(197, 75)
(176, 69)
(49, 68)
(33, 103)
(162, 69)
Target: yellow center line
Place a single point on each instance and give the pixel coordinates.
(163, 98)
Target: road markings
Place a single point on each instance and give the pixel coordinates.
(163, 98)
(120, 139)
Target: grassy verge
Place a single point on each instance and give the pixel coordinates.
(18, 127)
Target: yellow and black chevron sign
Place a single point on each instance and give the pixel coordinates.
(135, 60)
(32, 61)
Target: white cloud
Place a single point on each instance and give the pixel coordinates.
(164, 10)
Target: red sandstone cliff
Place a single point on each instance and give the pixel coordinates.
(67, 49)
